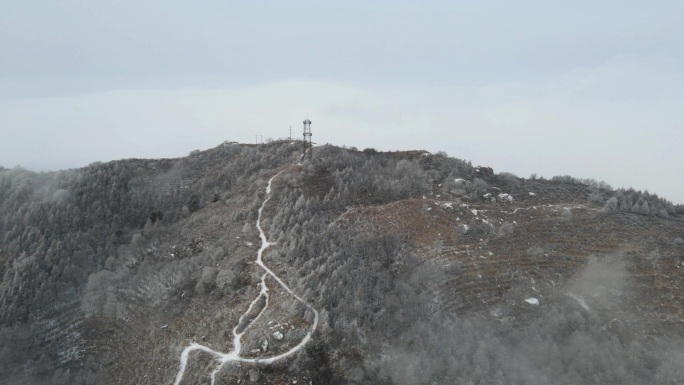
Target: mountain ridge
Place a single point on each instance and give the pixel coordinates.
(104, 265)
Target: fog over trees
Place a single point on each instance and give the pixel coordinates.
(158, 251)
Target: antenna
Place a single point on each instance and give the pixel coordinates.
(308, 146)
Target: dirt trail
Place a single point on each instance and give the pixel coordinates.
(244, 325)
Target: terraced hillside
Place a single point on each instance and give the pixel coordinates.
(418, 268)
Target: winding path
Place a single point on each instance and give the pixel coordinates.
(234, 355)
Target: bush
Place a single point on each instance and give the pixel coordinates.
(510, 179)
(611, 204)
(643, 203)
(535, 251)
(594, 184)
(225, 279)
(596, 198)
(477, 188)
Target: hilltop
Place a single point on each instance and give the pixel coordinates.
(351, 267)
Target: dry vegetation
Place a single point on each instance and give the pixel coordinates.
(419, 264)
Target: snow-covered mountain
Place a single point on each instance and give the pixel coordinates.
(247, 264)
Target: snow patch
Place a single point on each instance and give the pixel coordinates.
(532, 301)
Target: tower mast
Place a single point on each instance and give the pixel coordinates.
(307, 139)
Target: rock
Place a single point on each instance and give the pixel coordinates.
(278, 335)
(264, 345)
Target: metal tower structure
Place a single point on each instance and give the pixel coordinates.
(307, 139)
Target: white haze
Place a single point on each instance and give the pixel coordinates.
(594, 91)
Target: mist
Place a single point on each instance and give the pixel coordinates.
(562, 342)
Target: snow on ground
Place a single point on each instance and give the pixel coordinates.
(234, 355)
(532, 301)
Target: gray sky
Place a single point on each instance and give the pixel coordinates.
(586, 88)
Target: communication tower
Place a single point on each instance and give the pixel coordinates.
(307, 139)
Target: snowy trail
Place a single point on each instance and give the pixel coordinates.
(234, 355)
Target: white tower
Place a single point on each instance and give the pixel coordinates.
(307, 138)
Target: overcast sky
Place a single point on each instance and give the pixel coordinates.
(594, 89)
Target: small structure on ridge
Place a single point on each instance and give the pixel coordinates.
(308, 146)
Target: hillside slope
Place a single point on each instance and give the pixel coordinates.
(419, 268)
